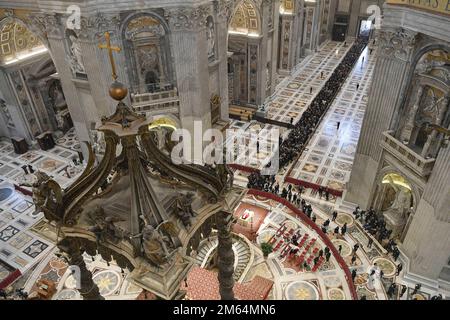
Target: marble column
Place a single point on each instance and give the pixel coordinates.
(74, 105)
(391, 69)
(17, 125)
(222, 51)
(74, 256)
(287, 45)
(315, 40)
(189, 47)
(298, 32)
(427, 241)
(355, 10)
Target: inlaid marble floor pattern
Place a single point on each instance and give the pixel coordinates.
(20, 247)
(329, 156)
(293, 94)
(328, 282)
(290, 100)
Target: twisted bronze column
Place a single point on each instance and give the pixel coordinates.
(74, 256)
(225, 256)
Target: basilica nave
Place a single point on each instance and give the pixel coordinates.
(350, 102)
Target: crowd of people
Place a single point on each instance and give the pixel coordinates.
(301, 132)
(293, 145)
(375, 225)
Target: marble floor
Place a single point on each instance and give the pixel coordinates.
(328, 158)
(292, 281)
(293, 94)
(20, 246)
(290, 100)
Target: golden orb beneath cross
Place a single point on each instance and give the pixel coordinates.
(118, 90)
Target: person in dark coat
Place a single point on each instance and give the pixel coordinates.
(344, 229)
(404, 288)
(353, 274)
(391, 290)
(369, 244)
(399, 269)
(353, 259)
(335, 214)
(336, 230)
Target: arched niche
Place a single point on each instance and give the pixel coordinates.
(426, 102)
(147, 51)
(396, 199)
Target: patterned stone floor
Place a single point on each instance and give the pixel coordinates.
(290, 100)
(20, 246)
(328, 282)
(70, 141)
(329, 156)
(111, 280)
(293, 94)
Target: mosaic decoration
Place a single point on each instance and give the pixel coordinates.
(309, 25)
(301, 290)
(253, 51)
(285, 45)
(245, 19)
(16, 39)
(336, 294)
(287, 6)
(325, 17)
(107, 281)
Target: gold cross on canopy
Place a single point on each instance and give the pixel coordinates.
(110, 49)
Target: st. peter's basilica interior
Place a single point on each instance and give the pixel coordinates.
(224, 150)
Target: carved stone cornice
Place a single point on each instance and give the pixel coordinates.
(93, 26)
(45, 25)
(224, 8)
(187, 18)
(397, 43)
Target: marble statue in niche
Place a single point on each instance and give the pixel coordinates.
(211, 37)
(397, 213)
(148, 58)
(5, 111)
(59, 105)
(75, 53)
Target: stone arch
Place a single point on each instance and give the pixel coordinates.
(425, 99)
(389, 169)
(145, 37)
(419, 53)
(379, 198)
(246, 18)
(245, 40)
